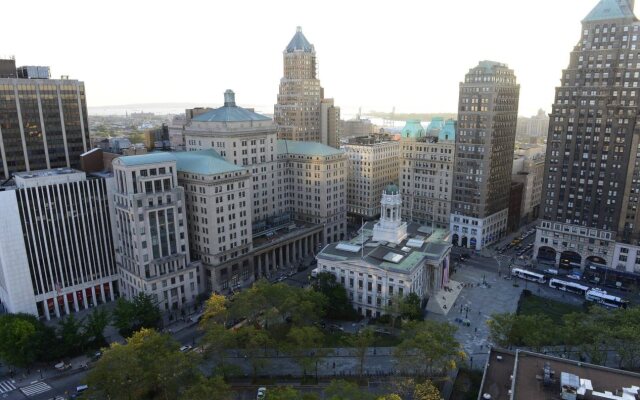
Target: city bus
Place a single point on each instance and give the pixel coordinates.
(565, 286)
(601, 297)
(528, 275)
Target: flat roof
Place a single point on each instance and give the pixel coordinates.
(389, 256)
(204, 162)
(46, 172)
(527, 369)
(306, 148)
(149, 158)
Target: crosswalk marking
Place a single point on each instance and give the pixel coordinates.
(7, 386)
(35, 389)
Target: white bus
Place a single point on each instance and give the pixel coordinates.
(528, 275)
(565, 286)
(601, 297)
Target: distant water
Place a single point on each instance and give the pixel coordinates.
(161, 109)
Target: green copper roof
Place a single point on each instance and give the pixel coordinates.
(449, 131)
(306, 148)
(610, 9)
(230, 112)
(436, 124)
(150, 158)
(299, 43)
(204, 162)
(412, 129)
(391, 189)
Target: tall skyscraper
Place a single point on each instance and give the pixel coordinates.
(300, 110)
(43, 122)
(487, 116)
(592, 166)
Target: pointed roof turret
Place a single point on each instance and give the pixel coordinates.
(611, 9)
(299, 43)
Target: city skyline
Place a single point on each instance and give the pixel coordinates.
(353, 55)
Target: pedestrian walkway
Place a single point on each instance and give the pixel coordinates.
(442, 302)
(35, 389)
(7, 386)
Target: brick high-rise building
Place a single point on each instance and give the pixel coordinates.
(487, 116)
(591, 185)
(301, 112)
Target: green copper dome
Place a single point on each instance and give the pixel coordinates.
(391, 189)
(413, 129)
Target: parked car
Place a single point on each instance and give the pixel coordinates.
(262, 393)
(62, 366)
(185, 348)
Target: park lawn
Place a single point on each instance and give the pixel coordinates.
(556, 310)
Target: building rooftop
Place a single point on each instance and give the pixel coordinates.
(391, 188)
(412, 129)
(490, 65)
(422, 243)
(306, 148)
(46, 172)
(436, 124)
(204, 162)
(542, 377)
(299, 43)
(230, 112)
(610, 9)
(149, 158)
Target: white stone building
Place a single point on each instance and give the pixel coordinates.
(56, 249)
(152, 249)
(389, 258)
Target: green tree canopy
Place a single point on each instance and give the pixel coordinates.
(208, 389)
(338, 305)
(429, 346)
(148, 366)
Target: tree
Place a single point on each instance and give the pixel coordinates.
(72, 337)
(427, 345)
(140, 312)
(254, 342)
(304, 346)
(391, 396)
(426, 391)
(500, 327)
(394, 309)
(410, 307)
(148, 366)
(94, 327)
(216, 341)
(215, 310)
(345, 390)
(534, 331)
(338, 306)
(18, 339)
(289, 393)
(209, 388)
(124, 316)
(361, 343)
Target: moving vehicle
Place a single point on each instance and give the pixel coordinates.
(565, 286)
(82, 388)
(528, 275)
(601, 297)
(262, 393)
(185, 348)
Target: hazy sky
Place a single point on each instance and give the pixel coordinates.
(374, 54)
